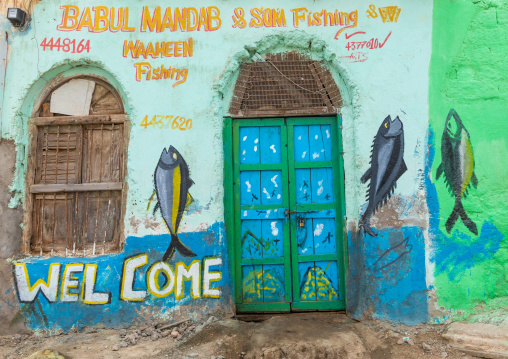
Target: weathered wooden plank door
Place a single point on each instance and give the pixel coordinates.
(287, 215)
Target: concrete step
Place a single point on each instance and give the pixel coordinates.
(482, 340)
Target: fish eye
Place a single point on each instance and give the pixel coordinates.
(174, 156)
(386, 124)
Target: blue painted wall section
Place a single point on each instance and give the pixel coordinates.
(41, 314)
(390, 278)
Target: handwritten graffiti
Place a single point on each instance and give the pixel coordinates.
(371, 44)
(387, 165)
(399, 251)
(316, 284)
(160, 73)
(66, 45)
(77, 282)
(355, 57)
(102, 18)
(458, 168)
(175, 123)
(388, 13)
(184, 19)
(328, 238)
(353, 34)
(253, 242)
(262, 284)
(159, 49)
(372, 12)
(96, 19)
(172, 183)
(239, 18)
(33, 309)
(260, 17)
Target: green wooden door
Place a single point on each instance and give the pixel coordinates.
(286, 222)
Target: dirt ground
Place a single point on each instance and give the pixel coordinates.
(300, 335)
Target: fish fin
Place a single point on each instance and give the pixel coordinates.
(402, 169)
(189, 201)
(474, 180)
(450, 222)
(458, 210)
(365, 225)
(366, 176)
(189, 183)
(157, 206)
(439, 171)
(176, 244)
(466, 220)
(150, 200)
(369, 230)
(470, 225)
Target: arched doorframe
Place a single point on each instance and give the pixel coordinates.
(317, 49)
(32, 100)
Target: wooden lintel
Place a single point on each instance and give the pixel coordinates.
(81, 187)
(79, 120)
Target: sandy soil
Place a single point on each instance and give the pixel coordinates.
(300, 335)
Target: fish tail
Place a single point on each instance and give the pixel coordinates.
(176, 244)
(458, 210)
(365, 224)
(467, 221)
(450, 222)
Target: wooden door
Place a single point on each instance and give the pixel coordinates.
(287, 228)
(316, 204)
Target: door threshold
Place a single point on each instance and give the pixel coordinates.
(257, 318)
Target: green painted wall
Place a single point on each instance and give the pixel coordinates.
(468, 73)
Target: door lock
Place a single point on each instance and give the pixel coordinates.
(301, 221)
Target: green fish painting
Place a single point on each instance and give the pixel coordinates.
(458, 168)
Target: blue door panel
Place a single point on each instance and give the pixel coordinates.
(307, 281)
(327, 280)
(252, 243)
(323, 232)
(321, 185)
(273, 238)
(320, 143)
(271, 187)
(252, 283)
(303, 186)
(270, 145)
(250, 187)
(273, 283)
(301, 143)
(249, 145)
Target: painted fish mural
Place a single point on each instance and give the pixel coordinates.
(458, 168)
(387, 165)
(172, 183)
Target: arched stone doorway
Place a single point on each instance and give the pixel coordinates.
(284, 186)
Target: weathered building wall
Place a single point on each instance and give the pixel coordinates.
(381, 67)
(468, 74)
(10, 228)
